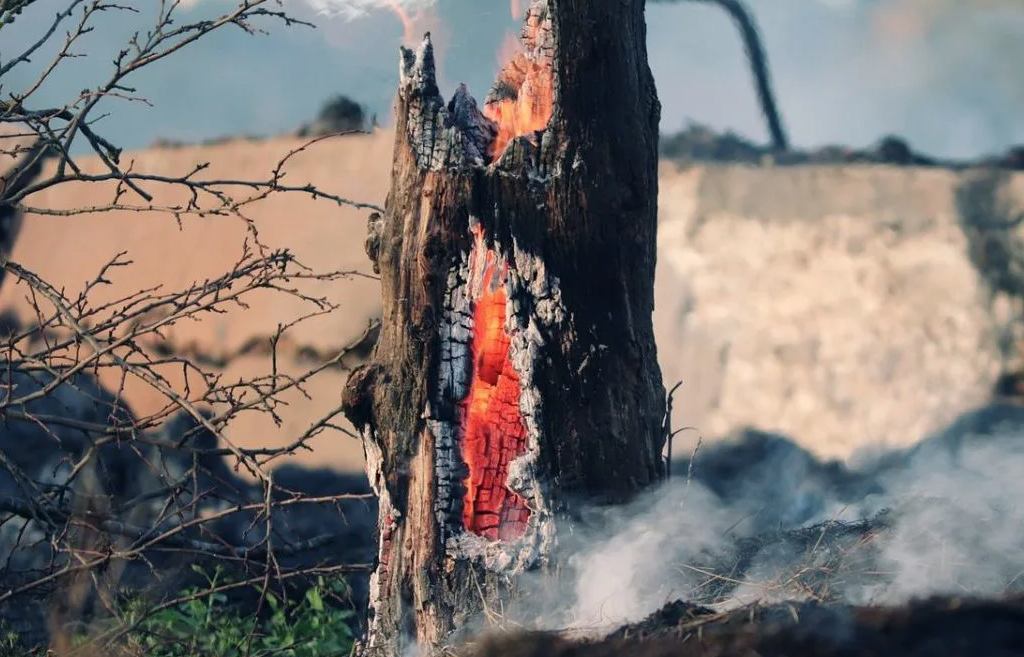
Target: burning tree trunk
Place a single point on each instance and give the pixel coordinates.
(516, 366)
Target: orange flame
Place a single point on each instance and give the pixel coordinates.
(509, 48)
(528, 77)
(408, 22)
(492, 427)
(901, 22)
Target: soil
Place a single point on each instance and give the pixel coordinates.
(935, 627)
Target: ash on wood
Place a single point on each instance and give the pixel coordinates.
(516, 368)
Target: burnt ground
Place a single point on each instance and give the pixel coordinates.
(849, 585)
(839, 538)
(935, 627)
(698, 143)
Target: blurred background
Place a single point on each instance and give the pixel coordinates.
(888, 105)
(944, 74)
(845, 318)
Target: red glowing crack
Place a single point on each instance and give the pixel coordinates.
(492, 431)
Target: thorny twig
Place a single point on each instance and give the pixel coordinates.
(666, 428)
(59, 128)
(82, 338)
(100, 487)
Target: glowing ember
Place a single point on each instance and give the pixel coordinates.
(492, 428)
(525, 88)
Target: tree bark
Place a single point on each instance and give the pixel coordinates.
(516, 369)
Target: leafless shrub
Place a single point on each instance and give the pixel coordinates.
(94, 499)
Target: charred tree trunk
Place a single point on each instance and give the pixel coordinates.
(516, 367)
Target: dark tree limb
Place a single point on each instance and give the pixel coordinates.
(13, 183)
(758, 58)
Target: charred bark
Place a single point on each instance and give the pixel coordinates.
(516, 368)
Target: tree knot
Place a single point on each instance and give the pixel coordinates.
(357, 396)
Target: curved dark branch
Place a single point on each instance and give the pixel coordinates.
(758, 58)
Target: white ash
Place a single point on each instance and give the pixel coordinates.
(387, 520)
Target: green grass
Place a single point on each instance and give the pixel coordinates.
(205, 625)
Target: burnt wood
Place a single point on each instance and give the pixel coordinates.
(516, 371)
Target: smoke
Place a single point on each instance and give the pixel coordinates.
(352, 9)
(642, 565)
(963, 528)
(942, 73)
(763, 520)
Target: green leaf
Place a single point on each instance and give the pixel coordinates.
(313, 597)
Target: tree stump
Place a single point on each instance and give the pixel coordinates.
(516, 369)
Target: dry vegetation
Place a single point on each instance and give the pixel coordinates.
(155, 532)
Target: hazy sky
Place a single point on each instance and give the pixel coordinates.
(845, 71)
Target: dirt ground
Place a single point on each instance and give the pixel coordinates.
(937, 627)
(68, 251)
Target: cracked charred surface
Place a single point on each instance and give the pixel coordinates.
(491, 428)
(515, 369)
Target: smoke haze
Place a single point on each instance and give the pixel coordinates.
(352, 9)
(950, 516)
(943, 74)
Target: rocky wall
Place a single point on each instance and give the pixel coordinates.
(847, 306)
(844, 305)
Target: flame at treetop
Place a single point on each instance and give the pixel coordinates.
(522, 100)
(408, 22)
(524, 95)
(492, 430)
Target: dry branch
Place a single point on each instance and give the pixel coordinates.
(93, 498)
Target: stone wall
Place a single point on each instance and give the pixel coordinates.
(844, 306)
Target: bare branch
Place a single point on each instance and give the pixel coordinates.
(91, 493)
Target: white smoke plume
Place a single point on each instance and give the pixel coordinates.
(946, 517)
